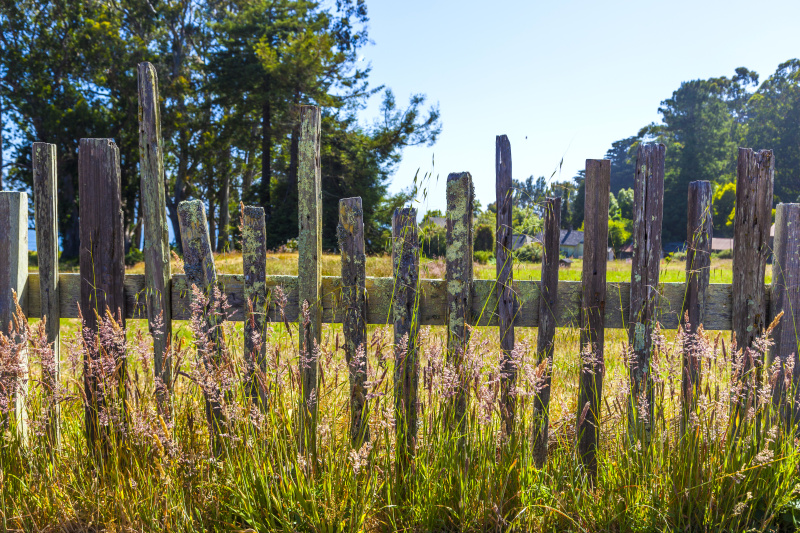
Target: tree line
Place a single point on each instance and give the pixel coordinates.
(231, 75)
(702, 125)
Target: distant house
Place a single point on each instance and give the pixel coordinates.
(571, 242)
(518, 240)
(718, 244)
(437, 221)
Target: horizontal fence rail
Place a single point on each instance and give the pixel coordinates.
(433, 301)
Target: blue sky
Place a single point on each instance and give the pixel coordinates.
(562, 78)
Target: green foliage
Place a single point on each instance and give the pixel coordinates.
(482, 257)
(530, 253)
(622, 155)
(133, 256)
(526, 220)
(625, 201)
(724, 204)
(484, 238)
(433, 240)
(613, 207)
(619, 233)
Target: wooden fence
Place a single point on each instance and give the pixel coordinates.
(745, 307)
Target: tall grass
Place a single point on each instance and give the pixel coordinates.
(155, 474)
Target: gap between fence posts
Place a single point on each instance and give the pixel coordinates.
(45, 188)
(254, 267)
(198, 263)
(593, 303)
(751, 229)
(102, 269)
(699, 229)
(505, 279)
(354, 323)
(548, 298)
(14, 279)
(405, 318)
(157, 269)
(309, 274)
(786, 299)
(648, 213)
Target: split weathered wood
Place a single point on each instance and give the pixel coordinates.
(405, 319)
(751, 228)
(459, 282)
(198, 263)
(786, 299)
(45, 189)
(309, 274)
(698, 273)
(102, 271)
(157, 268)
(354, 322)
(13, 280)
(593, 310)
(254, 264)
(547, 325)
(648, 213)
(505, 278)
(432, 298)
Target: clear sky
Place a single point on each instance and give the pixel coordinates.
(560, 78)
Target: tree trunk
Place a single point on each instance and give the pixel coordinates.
(212, 218)
(224, 198)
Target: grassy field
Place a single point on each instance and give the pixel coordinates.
(162, 475)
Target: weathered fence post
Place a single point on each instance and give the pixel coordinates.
(698, 272)
(309, 274)
(45, 189)
(648, 212)
(547, 325)
(405, 318)
(157, 268)
(459, 287)
(14, 279)
(201, 272)
(751, 227)
(505, 278)
(786, 298)
(354, 303)
(254, 264)
(593, 303)
(102, 268)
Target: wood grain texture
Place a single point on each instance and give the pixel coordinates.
(309, 242)
(699, 232)
(458, 277)
(256, 295)
(198, 263)
(354, 306)
(405, 320)
(102, 265)
(432, 301)
(45, 189)
(14, 279)
(505, 278)
(648, 214)
(751, 228)
(593, 310)
(786, 298)
(547, 325)
(156, 235)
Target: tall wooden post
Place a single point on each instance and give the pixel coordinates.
(354, 325)
(309, 272)
(405, 318)
(593, 303)
(751, 228)
(198, 263)
(157, 268)
(547, 325)
(698, 272)
(505, 278)
(648, 213)
(102, 266)
(254, 264)
(786, 298)
(459, 286)
(45, 188)
(14, 279)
